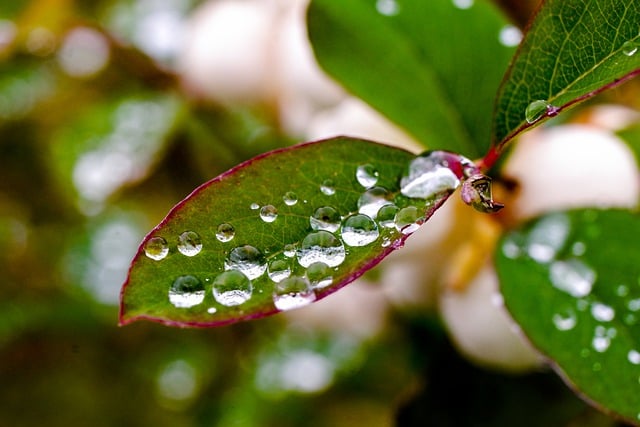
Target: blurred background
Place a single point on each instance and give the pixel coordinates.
(112, 111)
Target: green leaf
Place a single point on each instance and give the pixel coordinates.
(573, 50)
(571, 281)
(428, 66)
(256, 219)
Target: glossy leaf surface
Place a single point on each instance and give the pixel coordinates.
(571, 281)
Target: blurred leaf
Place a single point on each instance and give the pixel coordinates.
(245, 245)
(573, 50)
(571, 283)
(429, 66)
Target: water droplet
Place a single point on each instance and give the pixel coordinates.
(596, 367)
(372, 200)
(156, 248)
(327, 187)
(387, 7)
(254, 206)
(232, 288)
(279, 269)
(622, 291)
(630, 319)
(186, 291)
(325, 218)
(290, 198)
(248, 260)
(268, 213)
(629, 48)
(578, 248)
(225, 232)
(212, 310)
(573, 277)
(189, 243)
(601, 341)
(538, 109)
(602, 312)
(320, 275)
(634, 357)
(321, 246)
(289, 250)
(582, 304)
(432, 173)
(634, 304)
(548, 237)
(367, 175)
(463, 4)
(387, 215)
(359, 230)
(510, 36)
(292, 293)
(565, 321)
(407, 219)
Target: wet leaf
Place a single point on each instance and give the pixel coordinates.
(573, 50)
(571, 281)
(278, 232)
(423, 64)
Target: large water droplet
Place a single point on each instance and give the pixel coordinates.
(629, 48)
(189, 243)
(186, 291)
(406, 219)
(279, 269)
(538, 109)
(232, 288)
(573, 277)
(367, 175)
(359, 230)
(387, 215)
(325, 218)
(268, 213)
(290, 198)
(248, 260)
(156, 248)
(327, 187)
(292, 293)
(320, 275)
(602, 312)
(225, 232)
(372, 200)
(321, 246)
(428, 175)
(634, 357)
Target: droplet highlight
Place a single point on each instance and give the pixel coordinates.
(232, 288)
(189, 243)
(293, 292)
(359, 230)
(325, 218)
(248, 260)
(225, 232)
(367, 175)
(156, 248)
(321, 246)
(268, 213)
(186, 292)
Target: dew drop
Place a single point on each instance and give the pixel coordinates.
(573, 277)
(321, 246)
(634, 357)
(189, 243)
(510, 36)
(279, 269)
(327, 187)
(248, 260)
(325, 218)
(372, 200)
(629, 48)
(156, 248)
(320, 275)
(293, 292)
(225, 232)
(406, 219)
(387, 7)
(359, 230)
(254, 206)
(430, 174)
(290, 198)
(186, 291)
(268, 213)
(537, 110)
(565, 321)
(387, 215)
(232, 288)
(602, 312)
(367, 175)
(289, 250)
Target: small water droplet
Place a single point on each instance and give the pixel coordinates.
(225, 232)
(573, 277)
(387, 215)
(629, 48)
(602, 312)
(268, 213)
(367, 175)
(634, 357)
(406, 219)
(622, 291)
(601, 341)
(387, 7)
(327, 187)
(254, 206)
(430, 174)
(634, 304)
(189, 243)
(212, 310)
(359, 230)
(248, 260)
(565, 320)
(279, 269)
(320, 275)
(290, 198)
(293, 292)
(289, 250)
(325, 218)
(596, 367)
(372, 200)
(538, 109)
(578, 248)
(510, 36)
(463, 4)
(186, 291)
(321, 246)
(630, 319)
(548, 237)
(582, 304)
(232, 288)
(156, 248)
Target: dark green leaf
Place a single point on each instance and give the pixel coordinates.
(256, 219)
(573, 50)
(429, 66)
(572, 282)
